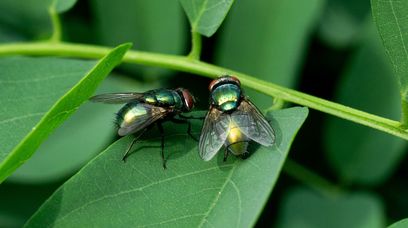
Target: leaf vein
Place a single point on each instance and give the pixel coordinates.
(217, 197)
(21, 117)
(136, 189)
(239, 201)
(173, 220)
(399, 28)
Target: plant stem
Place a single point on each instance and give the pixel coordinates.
(308, 177)
(195, 46)
(56, 25)
(193, 66)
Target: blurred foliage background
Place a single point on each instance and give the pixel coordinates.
(327, 48)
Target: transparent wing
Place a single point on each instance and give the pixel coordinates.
(116, 98)
(253, 124)
(213, 134)
(153, 114)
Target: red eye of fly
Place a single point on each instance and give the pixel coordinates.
(235, 79)
(226, 79)
(212, 84)
(188, 99)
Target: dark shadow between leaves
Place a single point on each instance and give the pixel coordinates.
(53, 214)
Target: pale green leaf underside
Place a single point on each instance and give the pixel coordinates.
(392, 23)
(149, 32)
(400, 224)
(189, 193)
(305, 208)
(62, 6)
(40, 94)
(343, 21)
(206, 16)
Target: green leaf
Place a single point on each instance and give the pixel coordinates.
(26, 19)
(78, 139)
(206, 16)
(188, 193)
(154, 25)
(275, 53)
(400, 224)
(62, 6)
(40, 97)
(392, 23)
(305, 208)
(343, 21)
(133, 20)
(357, 153)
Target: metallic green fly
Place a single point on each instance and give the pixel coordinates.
(232, 121)
(142, 110)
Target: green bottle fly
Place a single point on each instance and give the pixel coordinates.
(232, 121)
(151, 107)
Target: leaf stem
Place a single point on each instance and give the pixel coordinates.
(277, 104)
(195, 46)
(56, 25)
(404, 112)
(186, 64)
(310, 178)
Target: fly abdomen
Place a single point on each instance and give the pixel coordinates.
(130, 113)
(237, 142)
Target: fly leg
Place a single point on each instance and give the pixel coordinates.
(131, 144)
(174, 120)
(160, 126)
(226, 153)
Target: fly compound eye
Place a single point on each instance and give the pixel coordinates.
(188, 99)
(222, 80)
(213, 83)
(235, 79)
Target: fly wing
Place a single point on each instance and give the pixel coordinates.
(153, 113)
(116, 98)
(253, 124)
(214, 133)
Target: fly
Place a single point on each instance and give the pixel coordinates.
(232, 121)
(142, 110)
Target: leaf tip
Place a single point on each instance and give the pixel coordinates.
(123, 47)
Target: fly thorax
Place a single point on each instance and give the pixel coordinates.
(178, 102)
(226, 97)
(149, 98)
(236, 142)
(165, 98)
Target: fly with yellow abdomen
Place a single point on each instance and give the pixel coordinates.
(142, 110)
(232, 121)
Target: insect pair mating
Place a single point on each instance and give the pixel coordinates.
(232, 120)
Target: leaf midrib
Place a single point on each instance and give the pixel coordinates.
(217, 197)
(199, 15)
(399, 29)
